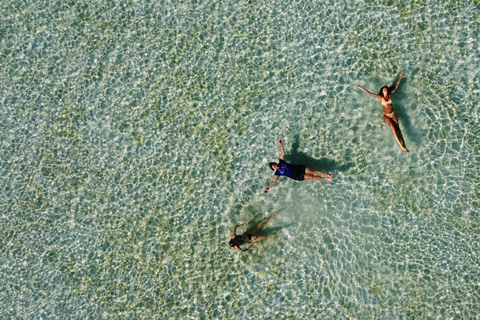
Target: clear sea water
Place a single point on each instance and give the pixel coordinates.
(136, 134)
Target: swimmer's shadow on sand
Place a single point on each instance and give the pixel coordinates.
(403, 118)
(323, 164)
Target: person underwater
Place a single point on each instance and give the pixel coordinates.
(248, 237)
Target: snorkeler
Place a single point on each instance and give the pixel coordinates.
(247, 237)
(294, 171)
(389, 115)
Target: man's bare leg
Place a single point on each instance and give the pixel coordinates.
(317, 173)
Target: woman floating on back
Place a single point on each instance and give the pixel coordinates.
(389, 115)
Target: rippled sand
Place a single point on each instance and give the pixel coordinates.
(135, 136)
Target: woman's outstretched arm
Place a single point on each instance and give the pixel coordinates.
(235, 228)
(370, 93)
(398, 82)
(240, 249)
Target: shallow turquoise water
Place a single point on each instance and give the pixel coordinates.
(135, 135)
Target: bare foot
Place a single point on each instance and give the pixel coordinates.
(330, 177)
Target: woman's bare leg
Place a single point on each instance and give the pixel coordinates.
(393, 123)
(259, 225)
(258, 238)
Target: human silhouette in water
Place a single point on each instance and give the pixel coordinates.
(294, 171)
(248, 237)
(389, 115)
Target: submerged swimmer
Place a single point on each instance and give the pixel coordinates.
(294, 171)
(389, 115)
(248, 237)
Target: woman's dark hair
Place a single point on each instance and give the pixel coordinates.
(381, 91)
(236, 241)
(271, 164)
